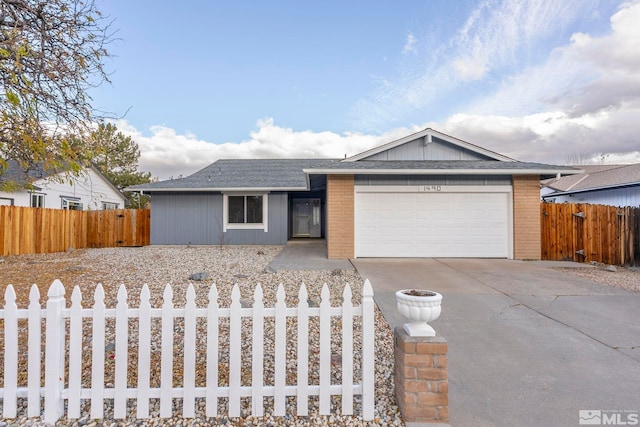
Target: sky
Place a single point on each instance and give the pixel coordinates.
(540, 80)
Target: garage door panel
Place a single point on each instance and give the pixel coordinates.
(432, 224)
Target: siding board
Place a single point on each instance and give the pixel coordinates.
(196, 219)
(436, 150)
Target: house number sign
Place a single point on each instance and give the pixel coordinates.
(432, 188)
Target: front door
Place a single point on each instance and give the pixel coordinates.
(307, 221)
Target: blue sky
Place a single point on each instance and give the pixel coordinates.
(536, 80)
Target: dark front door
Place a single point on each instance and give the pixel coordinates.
(307, 220)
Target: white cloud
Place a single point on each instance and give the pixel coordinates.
(167, 154)
(497, 37)
(583, 99)
(410, 44)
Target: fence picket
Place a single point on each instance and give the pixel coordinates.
(34, 352)
(303, 353)
(10, 400)
(144, 353)
(97, 354)
(121, 355)
(166, 364)
(325, 351)
(212, 353)
(347, 351)
(280, 362)
(235, 352)
(189, 368)
(54, 353)
(257, 355)
(75, 354)
(56, 337)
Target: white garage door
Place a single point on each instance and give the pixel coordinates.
(432, 224)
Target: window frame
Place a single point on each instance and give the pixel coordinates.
(40, 197)
(107, 206)
(226, 225)
(67, 202)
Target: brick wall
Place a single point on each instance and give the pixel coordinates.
(526, 217)
(340, 216)
(421, 378)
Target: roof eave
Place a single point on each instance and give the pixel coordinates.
(356, 171)
(216, 189)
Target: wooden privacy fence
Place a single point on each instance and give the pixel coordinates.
(583, 233)
(137, 346)
(37, 230)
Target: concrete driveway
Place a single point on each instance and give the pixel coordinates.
(528, 345)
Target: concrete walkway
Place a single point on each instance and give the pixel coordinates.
(307, 254)
(528, 345)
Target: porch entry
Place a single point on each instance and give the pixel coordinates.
(307, 217)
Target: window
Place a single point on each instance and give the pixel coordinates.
(71, 204)
(247, 211)
(109, 205)
(5, 201)
(37, 200)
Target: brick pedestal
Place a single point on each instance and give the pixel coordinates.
(421, 378)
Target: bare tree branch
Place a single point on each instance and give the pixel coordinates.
(52, 53)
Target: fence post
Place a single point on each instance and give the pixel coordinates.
(54, 351)
(368, 352)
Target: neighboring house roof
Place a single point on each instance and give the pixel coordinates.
(293, 174)
(18, 175)
(36, 174)
(596, 178)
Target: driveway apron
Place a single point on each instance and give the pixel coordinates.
(528, 345)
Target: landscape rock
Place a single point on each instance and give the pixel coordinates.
(611, 268)
(199, 277)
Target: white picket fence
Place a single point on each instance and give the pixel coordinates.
(64, 330)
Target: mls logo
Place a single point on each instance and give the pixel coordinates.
(590, 417)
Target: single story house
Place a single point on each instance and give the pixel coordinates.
(89, 190)
(614, 185)
(425, 195)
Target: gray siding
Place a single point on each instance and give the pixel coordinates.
(420, 150)
(432, 180)
(196, 219)
(620, 197)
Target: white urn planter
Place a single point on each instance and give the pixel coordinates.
(421, 307)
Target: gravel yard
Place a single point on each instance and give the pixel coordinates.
(246, 266)
(158, 266)
(624, 278)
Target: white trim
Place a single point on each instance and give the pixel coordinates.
(68, 201)
(359, 171)
(429, 133)
(431, 189)
(264, 225)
